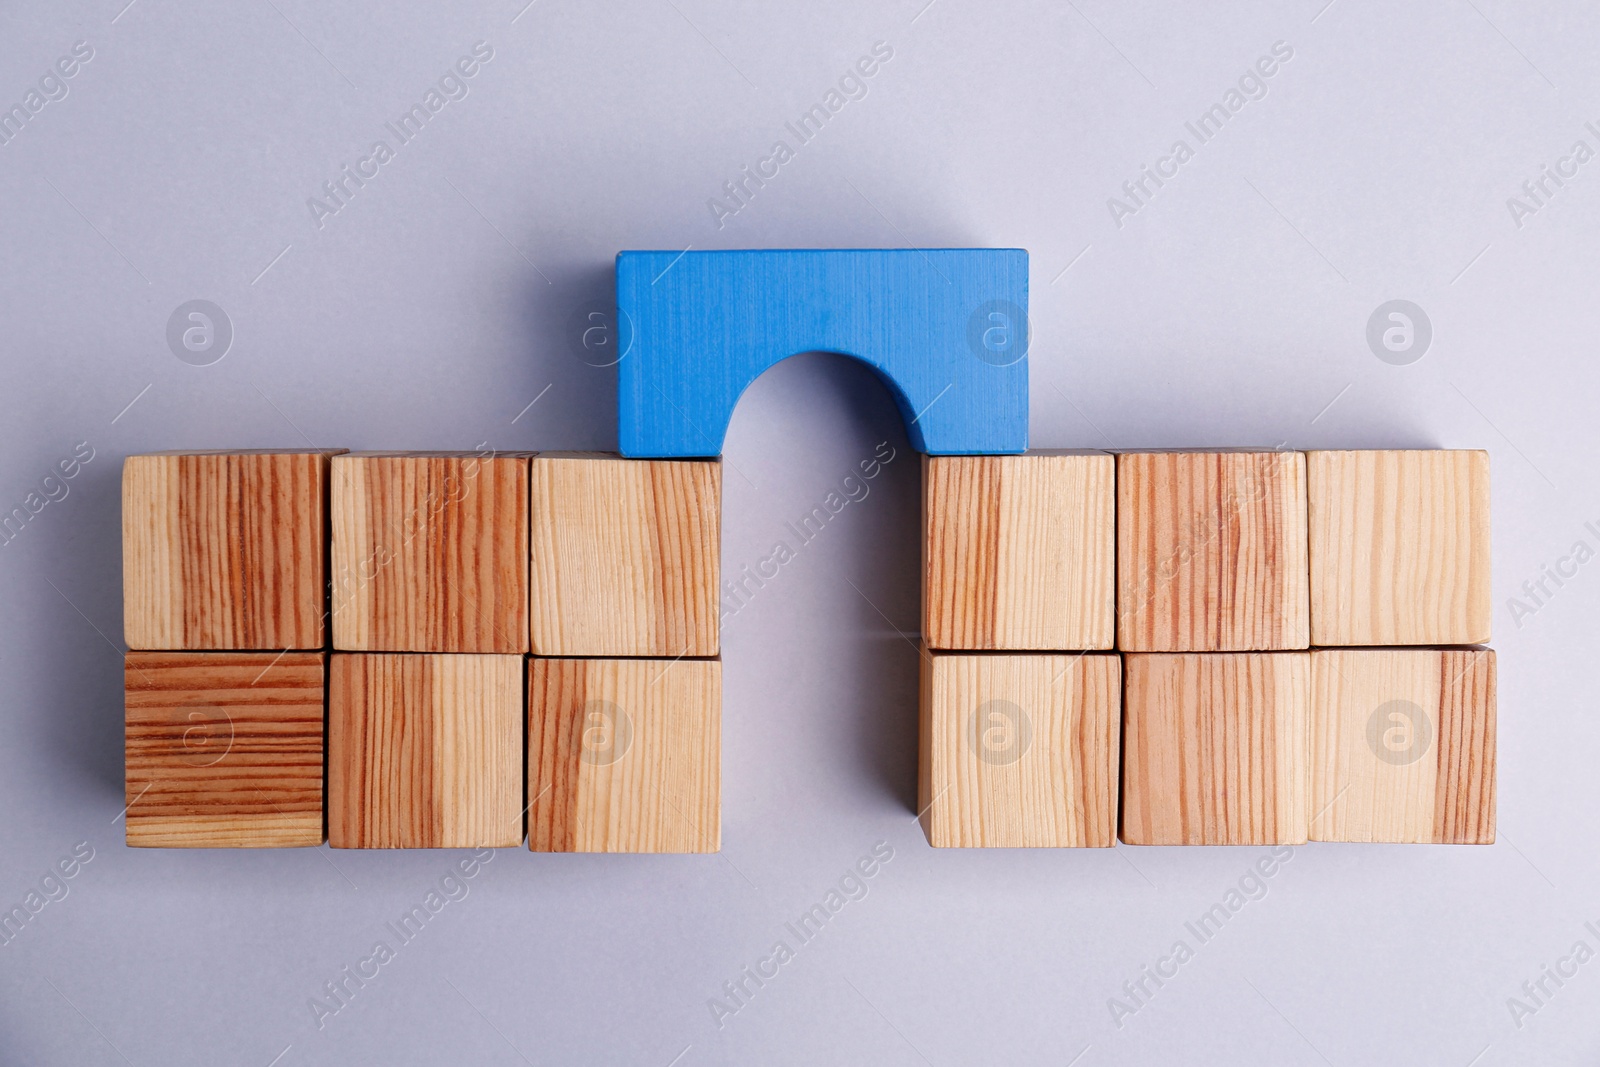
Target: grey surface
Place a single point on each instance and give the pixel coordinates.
(433, 308)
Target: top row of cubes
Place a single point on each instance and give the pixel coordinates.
(562, 554)
(1205, 551)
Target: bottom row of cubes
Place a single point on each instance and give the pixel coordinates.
(240, 749)
(226, 749)
(1215, 748)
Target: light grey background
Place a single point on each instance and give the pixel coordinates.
(437, 304)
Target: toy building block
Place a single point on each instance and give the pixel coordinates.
(1214, 748)
(1211, 551)
(224, 749)
(424, 751)
(624, 755)
(225, 550)
(1019, 551)
(430, 552)
(1019, 750)
(946, 329)
(1399, 547)
(625, 555)
(1403, 745)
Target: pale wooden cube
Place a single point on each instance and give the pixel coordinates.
(1214, 748)
(624, 755)
(224, 749)
(424, 751)
(1019, 551)
(430, 552)
(1211, 552)
(1019, 749)
(1399, 547)
(1403, 745)
(625, 555)
(225, 550)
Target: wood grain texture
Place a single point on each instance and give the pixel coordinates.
(624, 755)
(1019, 551)
(625, 556)
(430, 552)
(424, 751)
(1399, 547)
(945, 328)
(1403, 745)
(224, 749)
(225, 550)
(1214, 748)
(1019, 750)
(1211, 552)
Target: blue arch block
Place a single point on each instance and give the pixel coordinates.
(945, 328)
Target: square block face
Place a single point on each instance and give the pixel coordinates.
(430, 553)
(1403, 745)
(224, 749)
(225, 550)
(1019, 750)
(1018, 551)
(1215, 748)
(424, 751)
(624, 755)
(625, 555)
(1399, 547)
(1211, 552)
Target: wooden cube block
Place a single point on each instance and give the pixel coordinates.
(1215, 746)
(430, 552)
(1211, 551)
(1403, 745)
(1019, 551)
(224, 550)
(424, 751)
(1019, 750)
(624, 755)
(1399, 547)
(625, 555)
(224, 749)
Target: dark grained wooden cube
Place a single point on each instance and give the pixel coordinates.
(225, 550)
(430, 552)
(224, 749)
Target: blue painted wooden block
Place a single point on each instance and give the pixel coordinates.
(946, 329)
